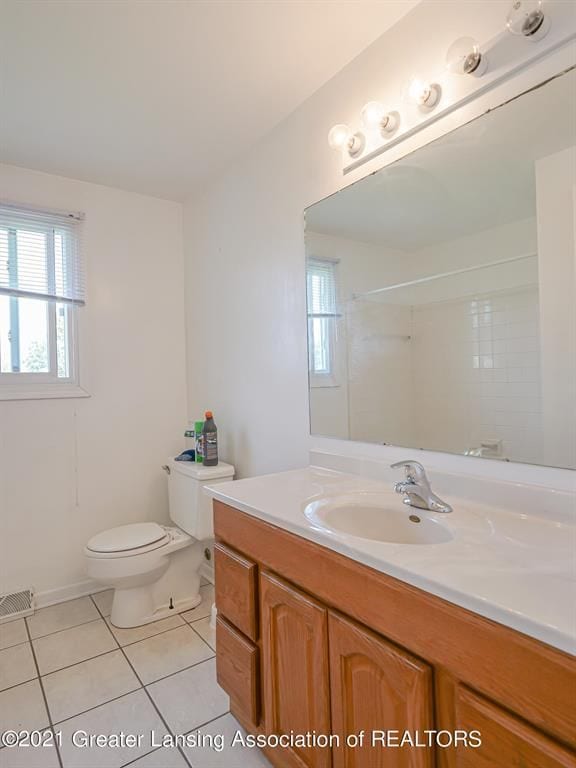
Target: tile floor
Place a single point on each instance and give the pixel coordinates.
(67, 670)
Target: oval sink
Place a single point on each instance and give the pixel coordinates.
(372, 516)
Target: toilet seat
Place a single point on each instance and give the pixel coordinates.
(128, 540)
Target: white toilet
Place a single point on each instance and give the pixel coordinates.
(154, 569)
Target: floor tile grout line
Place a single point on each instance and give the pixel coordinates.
(24, 642)
(58, 723)
(150, 699)
(115, 698)
(193, 621)
(156, 634)
(204, 639)
(67, 629)
(14, 645)
(41, 684)
(23, 682)
(141, 757)
(184, 669)
(89, 621)
(164, 632)
(187, 733)
(105, 619)
(115, 650)
(208, 722)
(56, 631)
(82, 661)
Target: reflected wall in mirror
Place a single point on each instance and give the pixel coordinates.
(442, 291)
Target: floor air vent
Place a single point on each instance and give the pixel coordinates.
(16, 605)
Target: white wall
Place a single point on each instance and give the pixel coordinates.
(244, 233)
(69, 468)
(556, 195)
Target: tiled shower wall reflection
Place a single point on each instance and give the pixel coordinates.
(449, 375)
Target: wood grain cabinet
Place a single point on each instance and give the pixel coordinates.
(238, 670)
(236, 579)
(376, 686)
(506, 740)
(311, 641)
(295, 664)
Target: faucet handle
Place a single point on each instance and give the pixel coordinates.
(415, 472)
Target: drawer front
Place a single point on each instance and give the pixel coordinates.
(237, 670)
(236, 589)
(506, 740)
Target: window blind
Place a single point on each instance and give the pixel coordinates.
(322, 299)
(321, 288)
(40, 255)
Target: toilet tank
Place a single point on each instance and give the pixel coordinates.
(190, 507)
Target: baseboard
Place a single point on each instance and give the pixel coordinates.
(62, 594)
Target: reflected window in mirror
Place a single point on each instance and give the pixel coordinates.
(322, 301)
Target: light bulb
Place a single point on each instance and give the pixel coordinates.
(339, 136)
(527, 18)
(464, 58)
(424, 94)
(375, 117)
(372, 114)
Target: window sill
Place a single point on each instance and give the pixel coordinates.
(323, 382)
(56, 392)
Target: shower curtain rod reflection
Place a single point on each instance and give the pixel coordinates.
(430, 278)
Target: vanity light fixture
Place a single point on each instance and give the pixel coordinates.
(465, 58)
(424, 94)
(340, 137)
(527, 18)
(374, 116)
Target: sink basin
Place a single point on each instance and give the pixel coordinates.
(374, 516)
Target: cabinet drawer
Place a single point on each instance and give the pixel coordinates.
(506, 740)
(236, 589)
(237, 670)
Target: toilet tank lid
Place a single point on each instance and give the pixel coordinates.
(126, 537)
(200, 472)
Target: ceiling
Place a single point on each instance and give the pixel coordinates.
(157, 96)
(478, 177)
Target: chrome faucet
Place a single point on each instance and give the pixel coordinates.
(417, 489)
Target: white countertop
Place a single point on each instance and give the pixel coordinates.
(516, 569)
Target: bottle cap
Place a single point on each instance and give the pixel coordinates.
(208, 414)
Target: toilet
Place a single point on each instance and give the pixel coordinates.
(155, 569)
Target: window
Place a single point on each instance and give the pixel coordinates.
(41, 288)
(321, 292)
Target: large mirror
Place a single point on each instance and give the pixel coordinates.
(442, 291)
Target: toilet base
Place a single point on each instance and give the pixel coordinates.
(135, 607)
(176, 590)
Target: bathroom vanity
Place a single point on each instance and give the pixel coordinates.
(311, 638)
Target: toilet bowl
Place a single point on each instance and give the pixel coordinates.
(151, 580)
(155, 569)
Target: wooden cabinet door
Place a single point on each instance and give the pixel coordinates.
(507, 741)
(294, 634)
(376, 686)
